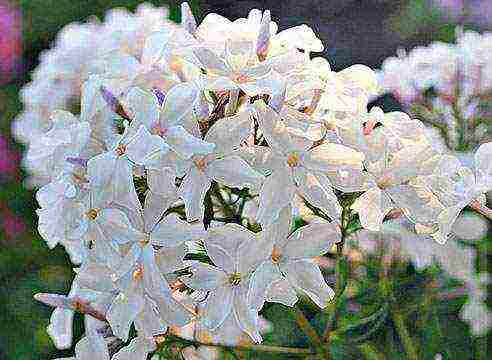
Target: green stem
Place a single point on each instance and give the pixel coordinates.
(248, 347)
(370, 352)
(306, 327)
(340, 281)
(228, 211)
(402, 330)
(462, 128)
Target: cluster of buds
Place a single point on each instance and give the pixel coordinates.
(147, 187)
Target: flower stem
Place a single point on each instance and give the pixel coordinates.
(370, 352)
(402, 330)
(306, 327)
(248, 347)
(340, 281)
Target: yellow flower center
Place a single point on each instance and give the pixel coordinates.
(144, 241)
(138, 272)
(235, 279)
(241, 78)
(276, 255)
(384, 182)
(92, 214)
(158, 130)
(293, 160)
(121, 150)
(200, 163)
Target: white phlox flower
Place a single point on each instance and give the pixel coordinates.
(235, 251)
(287, 266)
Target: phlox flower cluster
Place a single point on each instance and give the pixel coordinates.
(447, 85)
(174, 189)
(79, 50)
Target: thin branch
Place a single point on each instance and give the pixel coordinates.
(249, 347)
(339, 286)
(306, 327)
(404, 335)
(67, 302)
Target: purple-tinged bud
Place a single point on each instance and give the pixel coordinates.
(54, 300)
(277, 100)
(160, 96)
(202, 109)
(187, 19)
(263, 41)
(113, 102)
(77, 161)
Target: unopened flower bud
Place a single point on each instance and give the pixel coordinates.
(113, 103)
(263, 41)
(187, 19)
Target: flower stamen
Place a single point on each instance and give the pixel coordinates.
(92, 214)
(235, 279)
(121, 150)
(276, 255)
(293, 159)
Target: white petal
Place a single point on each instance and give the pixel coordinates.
(282, 292)
(253, 253)
(143, 145)
(238, 52)
(211, 62)
(229, 132)
(60, 328)
(170, 311)
(317, 190)
(234, 172)
(115, 226)
(155, 206)
(307, 277)
(372, 207)
(222, 83)
(138, 349)
(312, 240)
(246, 317)
(93, 346)
(144, 108)
(170, 259)
(185, 144)
(154, 47)
(178, 103)
(223, 244)
(218, 307)
(172, 231)
(95, 276)
(261, 281)
(192, 190)
(276, 193)
(483, 166)
(123, 311)
(328, 155)
(205, 277)
(446, 220)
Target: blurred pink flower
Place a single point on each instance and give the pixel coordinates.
(9, 160)
(11, 225)
(477, 11)
(10, 40)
